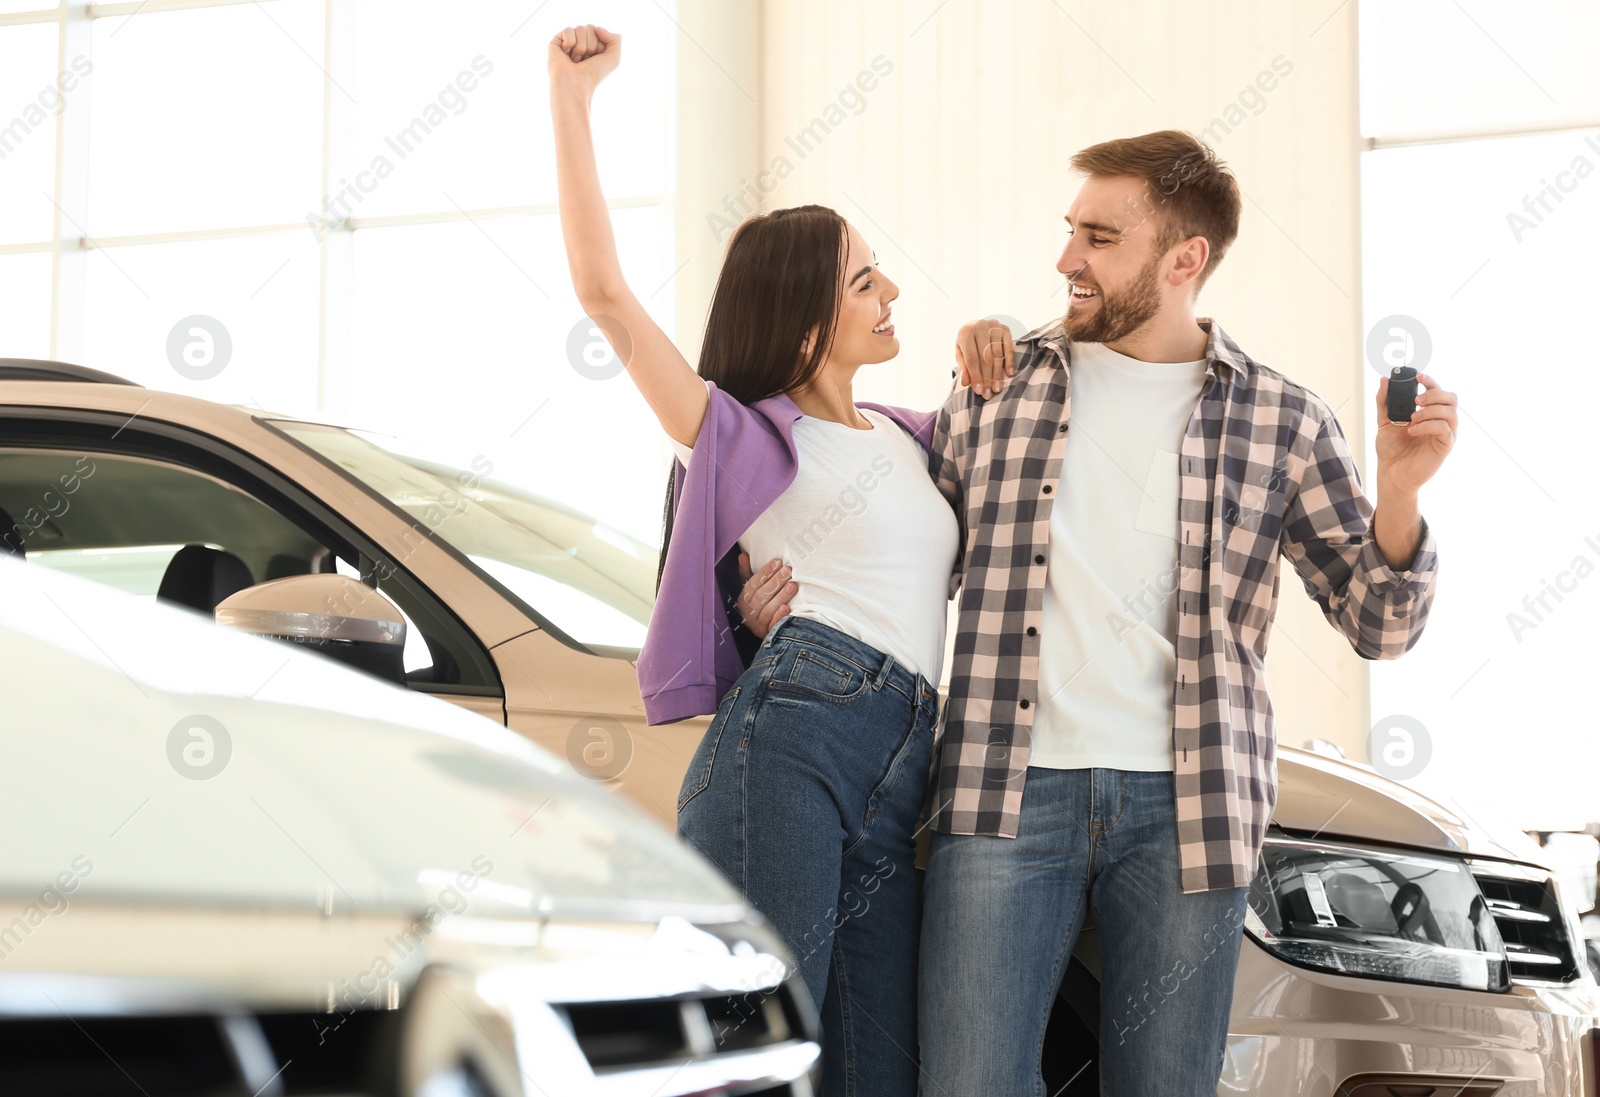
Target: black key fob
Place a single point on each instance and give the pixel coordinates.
(1402, 394)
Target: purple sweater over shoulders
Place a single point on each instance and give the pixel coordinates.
(743, 459)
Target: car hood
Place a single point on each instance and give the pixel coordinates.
(1332, 797)
(154, 757)
(108, 958)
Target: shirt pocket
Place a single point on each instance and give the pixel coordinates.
(1158, 500)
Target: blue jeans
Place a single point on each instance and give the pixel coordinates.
(1002, 917)
(805, 792)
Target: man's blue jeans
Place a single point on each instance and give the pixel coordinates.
(1001, 918)
(805, 792)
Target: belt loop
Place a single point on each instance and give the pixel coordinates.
(883, 672)
(766, 641)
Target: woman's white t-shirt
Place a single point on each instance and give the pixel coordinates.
(870, 538)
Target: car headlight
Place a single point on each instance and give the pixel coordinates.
(1388, 914)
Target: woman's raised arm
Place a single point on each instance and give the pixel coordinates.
(581, 57)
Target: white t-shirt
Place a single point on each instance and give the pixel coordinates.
(869, 537)
(1107, 632)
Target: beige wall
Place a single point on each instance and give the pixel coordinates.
(952, 161)
(719, 90)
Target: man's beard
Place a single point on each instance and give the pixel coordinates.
(1119, 315)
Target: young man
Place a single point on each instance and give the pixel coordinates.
(1109, 742)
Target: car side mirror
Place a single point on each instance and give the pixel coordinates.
(336, 615)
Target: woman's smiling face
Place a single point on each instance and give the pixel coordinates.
(863, 330)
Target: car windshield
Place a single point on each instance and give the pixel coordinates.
(592, 582)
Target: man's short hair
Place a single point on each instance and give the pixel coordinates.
(1190, 192)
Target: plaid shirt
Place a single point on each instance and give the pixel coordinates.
(1264, 470)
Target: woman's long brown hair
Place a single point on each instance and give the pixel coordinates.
(780, 281)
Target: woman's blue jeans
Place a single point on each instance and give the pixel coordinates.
(805, 792)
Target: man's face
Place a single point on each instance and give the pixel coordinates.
(1112, 265)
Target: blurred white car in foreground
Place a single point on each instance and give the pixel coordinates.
(234, 867)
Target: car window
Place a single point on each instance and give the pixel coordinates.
(136, 569)
(125, 518)
(122, 519)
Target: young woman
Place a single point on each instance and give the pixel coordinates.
(807, 786)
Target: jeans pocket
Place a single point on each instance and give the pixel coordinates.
(824, 676)
(698, 775)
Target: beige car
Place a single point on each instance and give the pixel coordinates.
(1394, 949)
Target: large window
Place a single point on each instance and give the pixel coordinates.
(336, 206)
(1481, 211)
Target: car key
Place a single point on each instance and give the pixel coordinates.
(1402, 393)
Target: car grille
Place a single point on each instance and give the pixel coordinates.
(627, 1036)
(194, 1053)
(1531, 923)
(756, 1043)
(1429, 1085)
